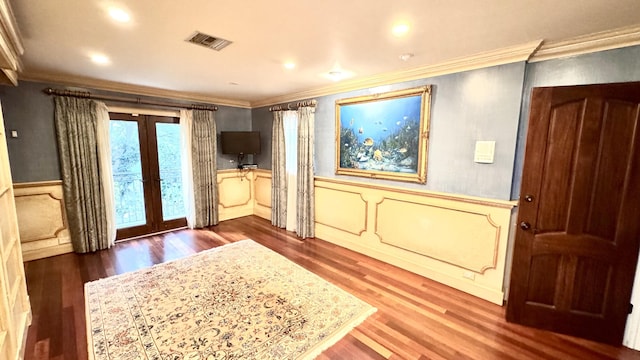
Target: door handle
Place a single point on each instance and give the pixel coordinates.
(525, 225)
(528, 198)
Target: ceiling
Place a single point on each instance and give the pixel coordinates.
(150, 50)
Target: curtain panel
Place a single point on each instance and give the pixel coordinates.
(186, 153)
(278, 172)
(76, 130)
(306, 190)
(290, 121)
(205, 170)
(106, 172)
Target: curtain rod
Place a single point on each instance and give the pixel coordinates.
(137, 100)
(311, 103)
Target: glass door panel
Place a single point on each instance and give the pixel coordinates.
(169, 166)
(147, 174)
(127, 174)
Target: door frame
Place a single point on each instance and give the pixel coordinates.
(151, 183)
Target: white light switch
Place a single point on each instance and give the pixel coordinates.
(484, 152)
(14, 134)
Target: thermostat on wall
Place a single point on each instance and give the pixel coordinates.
(484, 152)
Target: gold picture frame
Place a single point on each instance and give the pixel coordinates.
(384, 136)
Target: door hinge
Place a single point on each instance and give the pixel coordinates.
(630, 308)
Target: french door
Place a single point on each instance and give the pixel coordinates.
(146, 166)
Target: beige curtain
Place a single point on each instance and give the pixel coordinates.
(186, 154)
(106, 172)
(290, 121)
(306, 191)
(278, 172)
(76, 128)
(205, 168)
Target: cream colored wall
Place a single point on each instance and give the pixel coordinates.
(456, 240)
(42, 219)
(262, 185)
(460, 241)
(235, 193)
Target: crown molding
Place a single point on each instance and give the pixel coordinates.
(600, 41)
(105, 85)
(8, 77)
(502, 56)
(532, 52)
(11, 47)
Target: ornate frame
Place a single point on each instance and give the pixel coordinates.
(399, 154)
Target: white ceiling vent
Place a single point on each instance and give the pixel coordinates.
(209, 41)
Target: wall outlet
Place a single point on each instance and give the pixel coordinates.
(469, 275)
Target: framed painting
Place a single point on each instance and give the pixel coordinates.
(384, 136)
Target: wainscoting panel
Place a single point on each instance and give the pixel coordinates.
(235, 191)
(473, 237)
(457, 240)
(42, 219)
(341, 209)
(262, 186)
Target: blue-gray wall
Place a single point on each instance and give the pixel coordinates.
(619, 65)
(484, 104)
(34, 154)
(261, 121)
(231, 119)
(466, 107)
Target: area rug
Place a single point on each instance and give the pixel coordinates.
(238, 301)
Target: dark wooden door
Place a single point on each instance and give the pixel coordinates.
(578, 233)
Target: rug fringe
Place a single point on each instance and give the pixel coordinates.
(338, 335)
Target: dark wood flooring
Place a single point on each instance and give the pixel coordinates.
(416, 319)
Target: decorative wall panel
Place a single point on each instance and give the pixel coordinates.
(343, 210)
(457, 240)
(41, 219)
(235, 191)
(472, 238)
(262, 186)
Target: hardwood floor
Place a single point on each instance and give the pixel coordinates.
(416, 319)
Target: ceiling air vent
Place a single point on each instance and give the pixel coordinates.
(209, 41)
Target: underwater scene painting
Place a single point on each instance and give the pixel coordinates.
(382, 135)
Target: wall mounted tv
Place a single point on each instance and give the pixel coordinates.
(240, 142)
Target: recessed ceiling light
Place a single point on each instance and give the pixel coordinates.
(100, 59)
(289, 65)
(119, 15)
(338, 74)
(405, 57)
(400, 29)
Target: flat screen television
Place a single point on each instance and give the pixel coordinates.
(240, 142)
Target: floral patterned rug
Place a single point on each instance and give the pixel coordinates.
(238, 301)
